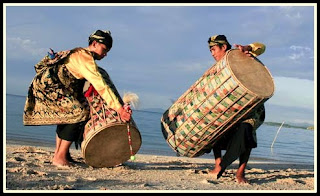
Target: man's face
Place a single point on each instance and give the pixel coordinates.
(100, 50)
(217, 52)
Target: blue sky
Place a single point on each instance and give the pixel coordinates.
(160, 50)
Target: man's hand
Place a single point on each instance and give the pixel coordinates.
(245, 49)
(125, 114)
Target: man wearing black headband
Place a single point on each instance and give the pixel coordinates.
(55, 95)
(240, 143)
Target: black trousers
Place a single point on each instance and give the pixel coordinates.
(238, 145)
(72, 132)
(69, 132)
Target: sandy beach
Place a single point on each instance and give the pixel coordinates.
(29, 169)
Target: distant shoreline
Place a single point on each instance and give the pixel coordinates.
(276, 124)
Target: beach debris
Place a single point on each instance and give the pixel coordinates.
(205, 181)
(60, 187)
(71, 179)
(256, 170)
(30, 171)
(19, 159)
(90, 178)
(104, 188)
(14, 170)
(145, 185)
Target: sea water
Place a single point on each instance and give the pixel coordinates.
(291, 145)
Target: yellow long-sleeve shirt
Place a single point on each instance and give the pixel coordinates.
(82, 66)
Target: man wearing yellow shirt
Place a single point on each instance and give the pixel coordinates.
(55, 95)
(240, 142)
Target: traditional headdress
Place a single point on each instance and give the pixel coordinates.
(103, 37)
(218, 39)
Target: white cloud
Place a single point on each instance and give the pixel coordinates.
(300, 52)
(293, 92)
(292, 13)
(18, 48)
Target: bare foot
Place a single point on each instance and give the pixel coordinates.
(216, 172)
(69, 159)
(241, 179)
(60, 162)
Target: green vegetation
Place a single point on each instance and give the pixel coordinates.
(289, 126)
